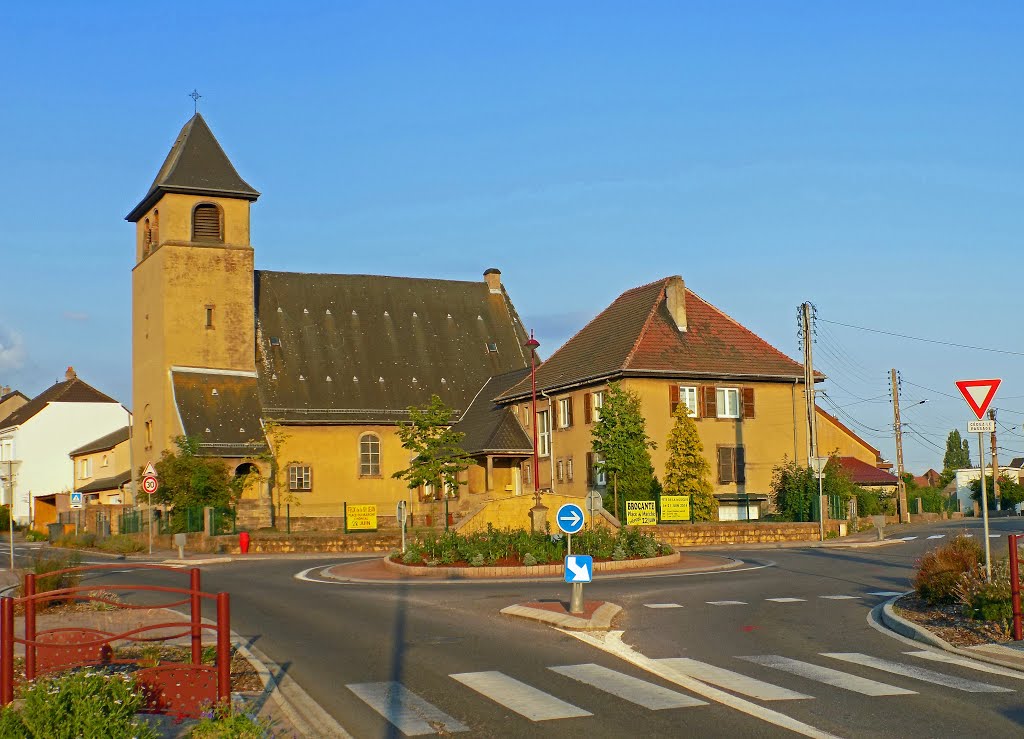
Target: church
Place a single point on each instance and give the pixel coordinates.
(312, 371)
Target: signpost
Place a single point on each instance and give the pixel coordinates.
(979, 395)
(400, 514)
(150, 484)
(675, 508)
(570, 520)
(76, 500)
(641, 513)
(579, 568)
(595, 503)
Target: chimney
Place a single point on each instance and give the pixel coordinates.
(4, 390)
(70, 374)
(493, 279)
(675, 300)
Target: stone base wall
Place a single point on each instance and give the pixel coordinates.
(709, 534)
(284, 544)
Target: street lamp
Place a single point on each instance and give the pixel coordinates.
(532, 345)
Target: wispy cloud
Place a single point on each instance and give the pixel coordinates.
(12, 351)
(73, 315)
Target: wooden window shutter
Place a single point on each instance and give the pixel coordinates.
(740, 462)
(590, 468)
(206, 223)
(673, 398)
(709, 401)
(568, 415)
(553, 416)
(588, 410)
(747, 394)
(726, 461)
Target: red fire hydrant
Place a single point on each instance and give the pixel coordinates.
(243, 541)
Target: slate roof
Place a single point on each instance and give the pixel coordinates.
(636, 336)
(342, 349)
(862, 473)
(490, 428)
(221, 410)
(196, 164)
(1017, 462)
(67, 391)
(107, 441)
(106, 483)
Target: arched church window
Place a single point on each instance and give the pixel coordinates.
(369, 455)
(155, 233)
(206, 224)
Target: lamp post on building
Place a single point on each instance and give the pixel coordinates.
(538, 514)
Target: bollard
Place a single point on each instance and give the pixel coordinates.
(224, 649)
(1015, 587)
(576, 599)
(196, 617)
(6, 651)
(30, 626)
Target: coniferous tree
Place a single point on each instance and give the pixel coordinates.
(620, 440)
(957, 457)
(687, 471)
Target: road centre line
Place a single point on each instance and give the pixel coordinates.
(611, 642)
(629, 688)
(517, 696)
(787, 600)
(967, 662)
(662, 605)
(917, 673)
(937, 536)
(840, 597)
(887, 593)
(907, 538)
(409, 713)
(726, 602)
(828, 676)
(730, 680)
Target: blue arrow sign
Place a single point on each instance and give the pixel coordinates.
(570, 518)
(579, 568)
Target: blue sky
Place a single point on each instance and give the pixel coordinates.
(861, 156)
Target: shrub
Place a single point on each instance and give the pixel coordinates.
(223, 723)
(477, 560)
(412, 556)
(45, 582)
(940, 570)
(77, 541)
(121, 544)
(81, 704)
(987, 601)
(529, 560)
(33, 535)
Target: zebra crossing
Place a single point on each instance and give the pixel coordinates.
(413, 715)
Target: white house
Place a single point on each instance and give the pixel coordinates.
(37, 438)
(964, 478)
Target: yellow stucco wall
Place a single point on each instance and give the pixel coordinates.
(514, 513)
(171, 288)
(831, 438)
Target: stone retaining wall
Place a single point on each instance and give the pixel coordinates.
(709, 534)
(535, 571)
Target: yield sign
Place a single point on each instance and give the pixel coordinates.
(978, 393)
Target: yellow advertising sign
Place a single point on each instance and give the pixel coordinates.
(361, 517)
(675, 508)
(641, 513)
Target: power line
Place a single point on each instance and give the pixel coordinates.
(928, 341)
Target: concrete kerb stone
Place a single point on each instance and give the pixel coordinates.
(918, 633)
(601, 620)
(535, 571)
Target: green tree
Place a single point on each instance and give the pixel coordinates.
(1010, 492)
(957, 457)
(437, 460)
(188, 480)
(687, 471)
(622, 447)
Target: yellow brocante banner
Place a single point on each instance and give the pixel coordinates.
(675, 508)
(361, 517)
(641, 513)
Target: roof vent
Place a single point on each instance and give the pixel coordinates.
(302, 377)
(380, 379)
(214, 392)
(414, 314)
(328, 311)
(207, 430)
(241, 430)
(444, 381)
(354, 312)
(386, 314)
(275, 341)
(355, 379)
(328, 379)
(273, 376)
(449, 316)
(479, 318)
(306, 311)
(415, 380)
(280, 309)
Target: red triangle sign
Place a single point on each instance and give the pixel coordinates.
(978, 394)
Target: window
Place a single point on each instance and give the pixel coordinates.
(105, 462)
(300, 478)
(565, 413)
(84, 468)
(147, 238)
(369, 455)
(209, 316)
(206, 224)
(731, 464)
(7, 449)
(598, 403)
(154, 238)
(727, 402)
(600, 476)
(528, 473)
(685, 395)
(543, 434)
(149, 433)
(568, 469)
(561, 470)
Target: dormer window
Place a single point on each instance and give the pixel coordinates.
(206, 224)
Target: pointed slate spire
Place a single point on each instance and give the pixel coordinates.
(196, 165)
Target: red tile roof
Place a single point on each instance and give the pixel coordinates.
(637, 336)
(862, 473)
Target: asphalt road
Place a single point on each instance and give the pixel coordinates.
(439, 657)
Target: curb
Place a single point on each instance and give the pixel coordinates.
(913, 631)
(601, 620)
(468, 573)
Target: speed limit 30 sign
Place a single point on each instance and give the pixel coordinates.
(149, 484)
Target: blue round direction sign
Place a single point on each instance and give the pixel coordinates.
(570, 518)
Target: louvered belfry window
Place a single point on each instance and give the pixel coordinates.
(206, 224)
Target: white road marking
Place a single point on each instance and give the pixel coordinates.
(726, 602)
(827, 675)
(937, 536)
(412, 715)
(525, 700)
(886, 593)
(966, 662)
(840, 597)
(730, 680)
(662, 605)
(627, 687)
(786, 600)
(917, 673)
(993, 536)
(907, 538)
(611, 642)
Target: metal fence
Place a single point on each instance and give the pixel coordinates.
(130, 522)
(838, 508)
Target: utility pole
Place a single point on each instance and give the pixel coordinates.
(995, 459)
(901, 485)
(812, 425)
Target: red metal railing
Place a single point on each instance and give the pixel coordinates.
(1015, 586)
(182, 689)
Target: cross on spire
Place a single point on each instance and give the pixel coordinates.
(195, 99)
